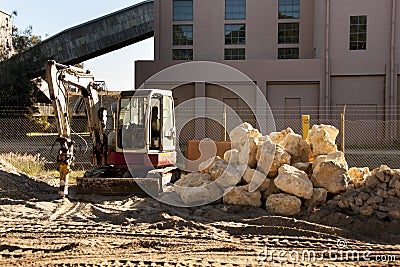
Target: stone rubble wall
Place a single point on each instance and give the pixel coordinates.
(285, 174)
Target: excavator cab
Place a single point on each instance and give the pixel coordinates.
(145, 130)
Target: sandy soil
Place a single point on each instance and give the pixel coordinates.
(37, 228)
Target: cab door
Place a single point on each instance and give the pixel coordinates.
(168, 124)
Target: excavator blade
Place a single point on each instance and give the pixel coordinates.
(118, 186)
(152, 184)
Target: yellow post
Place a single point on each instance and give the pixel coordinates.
(305, 120)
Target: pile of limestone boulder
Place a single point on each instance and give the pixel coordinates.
(284, 172)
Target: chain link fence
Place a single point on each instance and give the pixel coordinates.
(38, 135)
(370, 138)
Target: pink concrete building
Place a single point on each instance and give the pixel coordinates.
(299, 52)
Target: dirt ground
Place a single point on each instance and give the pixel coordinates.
(38, 228)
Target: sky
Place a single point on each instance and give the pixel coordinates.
(49, 17)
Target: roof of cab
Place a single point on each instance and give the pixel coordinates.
(146, 92)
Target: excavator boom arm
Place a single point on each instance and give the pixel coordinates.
(59, 77)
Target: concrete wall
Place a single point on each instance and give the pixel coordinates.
(307, 93)
(374, 59)
(361, 90)
(298, 74)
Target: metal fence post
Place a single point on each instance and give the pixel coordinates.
(342, 130)
(224, 122)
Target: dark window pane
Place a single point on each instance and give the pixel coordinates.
(362, 20)
(353, 28)
(235, 9)
(353, 20)
(358, 33)
(182, 54)
(288, 33)
(362, 37)
(234, 54)
(288, 53)
(182, 35)
(183, 10)
(289, 9)
(235, 33)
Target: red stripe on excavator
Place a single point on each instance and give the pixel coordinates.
(146, 160)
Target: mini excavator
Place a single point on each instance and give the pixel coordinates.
(137, 153)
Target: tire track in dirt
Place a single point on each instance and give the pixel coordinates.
(66, 209)
(159, 252)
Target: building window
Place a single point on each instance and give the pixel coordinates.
(235, 34)
(182, 54)
(358, 32)
(235, 54)
(288, 33)
(183, 10)
(235, 9)
(182, 35)
(289, 9)
(288, 53)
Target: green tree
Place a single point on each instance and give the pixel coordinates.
(22, 40)
(25, 39)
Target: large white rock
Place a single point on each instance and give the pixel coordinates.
(193, 179)
(330, 175)
(279, 137)
(248, 152)
(244, 138)
(270, 157)
(201, 195)
(224, 174)
(241, 133)
(294, 181)
(240, 195)
(298, 149)
(256, 178)
(322, 139)
(283, 204)
(337, 157)
(196, 188)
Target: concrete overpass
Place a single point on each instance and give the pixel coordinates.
(88, 40)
